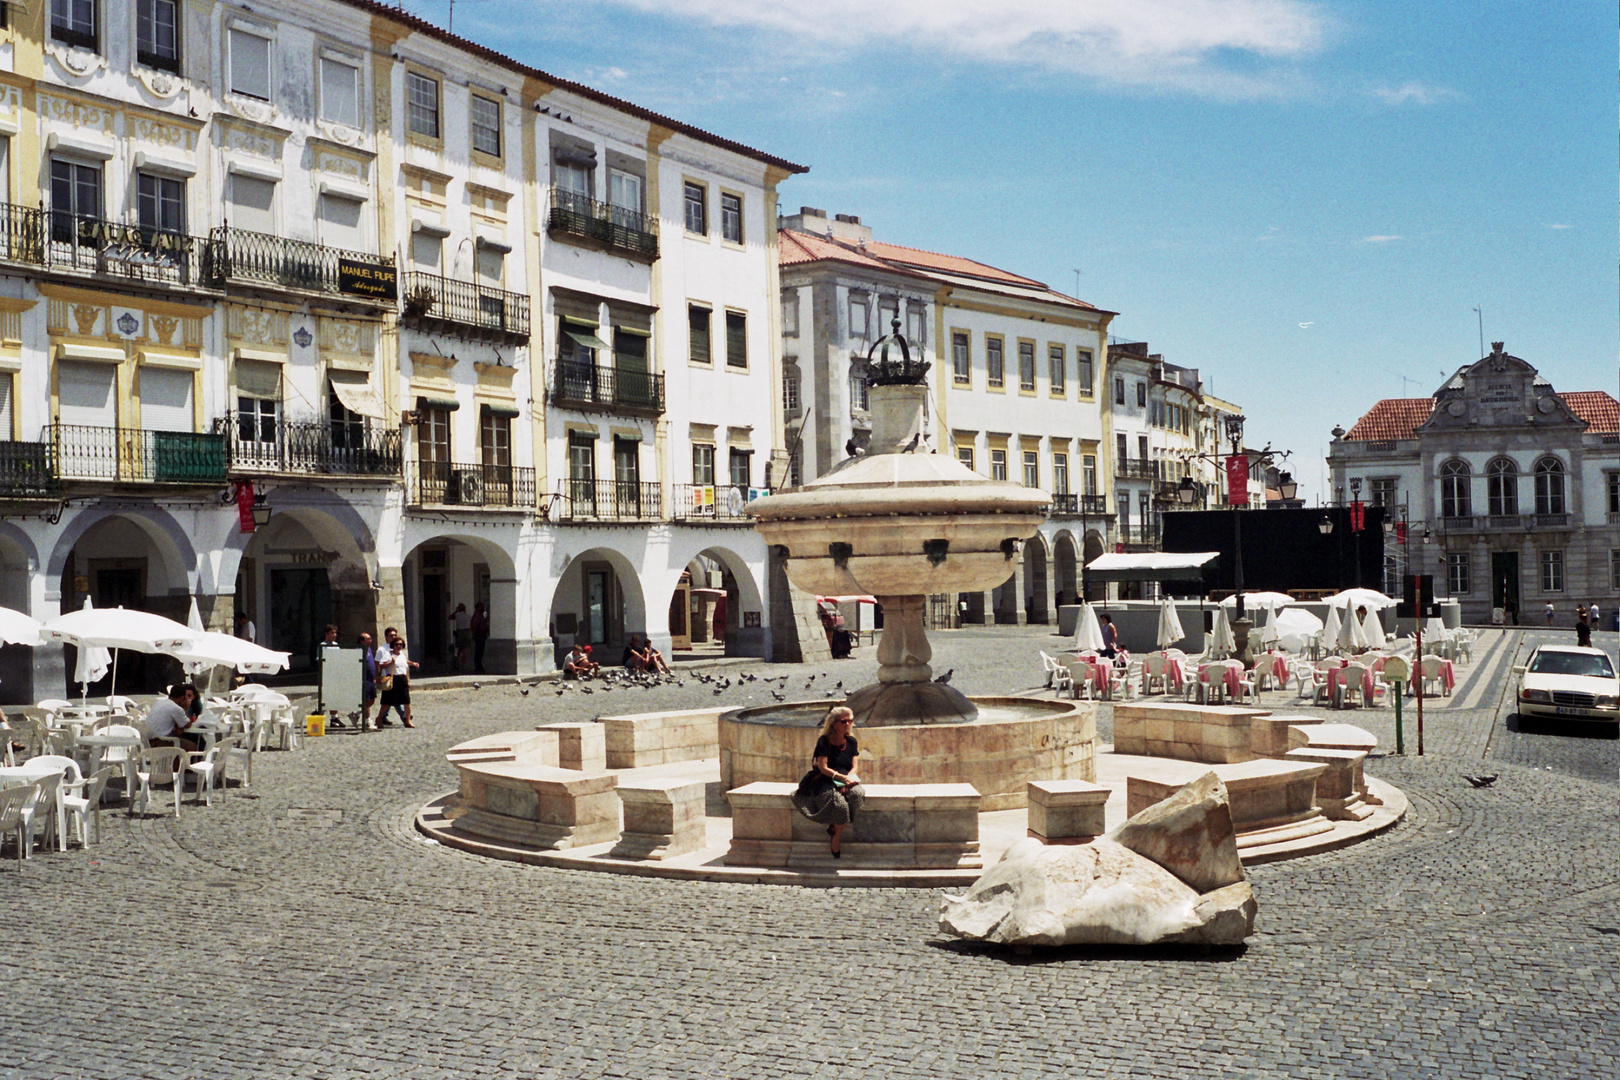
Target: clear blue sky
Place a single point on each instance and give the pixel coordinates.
(1304, 200)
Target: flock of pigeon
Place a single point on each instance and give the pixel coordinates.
(611, 679)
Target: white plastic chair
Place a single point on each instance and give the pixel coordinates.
(159, 765)
(1432, 670)
(209, 767)
(1353, 685)
(1081, 680)
(245, 747)
(1262, 677)
(13, 800)
(29, 732)
(41, 812)
(87, 801)
(1155, 670)
(53, 705)
(122, 757)
(1212, 684)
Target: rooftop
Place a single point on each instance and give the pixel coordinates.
(1399, 418)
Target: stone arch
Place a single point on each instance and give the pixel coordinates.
(569, 605)
(19, 558)
(454, 573)
(169, 540)
(1092, 549)
(1037, 607)
(1065, 567)
(744, 595)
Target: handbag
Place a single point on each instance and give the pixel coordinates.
(385, 683)
(813, 783)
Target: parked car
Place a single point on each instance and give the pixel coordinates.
(1571, 682)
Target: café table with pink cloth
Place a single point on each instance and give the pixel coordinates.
(1335, 681)
(1231, 675)
(1100, 667)
(1279, 666)
(1448, 674)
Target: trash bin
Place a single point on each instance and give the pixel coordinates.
(315, 725)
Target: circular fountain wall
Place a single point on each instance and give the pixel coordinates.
(1012, 741)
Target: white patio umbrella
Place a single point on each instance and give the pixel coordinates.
(17, 628)
(1330, 629)
(209, 649)
(1351, 636)
(1292, 629)
(1170, 628)
(1371, 599)
(1259, 601)
(117, 628)
(1088, 634)
(1221, 639)
(1373, 627)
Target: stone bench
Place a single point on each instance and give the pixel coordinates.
(1271, 800)
(1066, 811)
(1341, 790)
(579, 746)
(1270, 735)
(539, 746)
(1216, 734)
(642, 739)
(662, 818)
(536, 805)
(1331, 737)
(903, 826)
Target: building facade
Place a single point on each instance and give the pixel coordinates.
(1016, 374)
(1508, 489)
(471, 332)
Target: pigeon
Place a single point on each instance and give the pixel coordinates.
(945, 678)
(778, 697)
(839, 685)
(524, 691)
(1482, 781)
(587, 690)
(719, 690)
(913, 444)
(478, 686)
(560, 691)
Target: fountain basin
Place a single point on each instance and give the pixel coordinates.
(1011, 742)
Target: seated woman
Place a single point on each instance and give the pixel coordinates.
(652, 659)
(579, 664)
(830, 792)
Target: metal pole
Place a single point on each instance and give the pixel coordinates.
(1417, 639)
(1400, 743)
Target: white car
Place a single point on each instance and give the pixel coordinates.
(1569, 681)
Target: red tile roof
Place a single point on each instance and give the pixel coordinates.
(799, 247)
(1399, 418)
(948, 264)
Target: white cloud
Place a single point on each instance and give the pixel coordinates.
(1557, 225)
(1179, 44)
(1414, 93)
(1382, 238)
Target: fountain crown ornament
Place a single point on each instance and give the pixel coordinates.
(900, 371)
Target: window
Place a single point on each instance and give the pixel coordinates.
(624, 199)
(157, 34)
(433, 439)
(736, 339)
(582, 471)
(1055, 369)
(574, 347)
(1088, 473)
(731, 217)
(422, 105)
(256, 420)
(858, 398)
(486, 125)
(73, 22)
(1550, 486)
(1119, 391)
(1457, 574)
(340, 92)
(697, 209)
(1087, 372)
(1502, 488)
(857, 315)
(1122, 448)
(1026, 366)
(1611, 482)
(252, 205)
(964, 454)
(998, 464)
(250, 64)
(341, 222)
(1614, 570)
(573, 179)
(739, 460)
(697, 334)
(160, 203)
(348, 428)
(995, 373)
(1383, 490)
(790, 315)
(1454, 490)
(1141, 395)
(627, 474)
(494, 439)
(75, 193)
(1060, 474)
(1142, 447)
(790, 391)
(915, 314)
(1032, 469)
(703, 463)
(1552, 571)
(888, 315)
(961, 359)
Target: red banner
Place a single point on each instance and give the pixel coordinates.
(1237, 479)
(1400, 532)
(244, 506)
(1358, 515)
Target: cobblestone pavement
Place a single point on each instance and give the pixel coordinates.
(302, 929)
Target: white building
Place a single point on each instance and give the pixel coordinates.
(1510, 490)
(1015, 377)
(473, 334)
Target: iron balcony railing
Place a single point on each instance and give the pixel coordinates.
(256, 444)
(1078, 505)
(615, 389)
(713, 502)
(25, 471)
(135, 455)
(607, 500)
(60, 240)
(240, 257)
(1136, 468)
(580, 217)
(1138, 534)
(449, 483)
(429, 298)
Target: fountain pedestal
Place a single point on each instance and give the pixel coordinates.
(904, 692)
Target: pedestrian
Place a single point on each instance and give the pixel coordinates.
(463, 627)
(397, 694)
(328, 641)
(1592, 614)
(480, 635)
(1110, 636)
(171, 718)
(368, 679)
(245, 628)
(579, 664)
(1583, 628)
(1549, 613)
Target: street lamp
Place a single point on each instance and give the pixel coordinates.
(1325, 526)
(1286, 487)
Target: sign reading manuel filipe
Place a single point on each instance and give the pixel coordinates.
(371, 280)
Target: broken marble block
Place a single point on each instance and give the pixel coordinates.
(1133, 887)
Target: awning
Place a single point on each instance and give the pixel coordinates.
(1150, 566)
(510, 411)
(589, 340)
(448, 404)
(356, 393)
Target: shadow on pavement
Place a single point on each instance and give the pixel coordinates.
(1547, 725)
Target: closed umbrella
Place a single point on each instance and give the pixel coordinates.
(1221, 639)
(1373, 627)
(1330, 629)
(1351, 636)
(93, 664)
(1170, 628)
(17, 628)
(1088, 634)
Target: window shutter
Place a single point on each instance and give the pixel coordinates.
(340, 92)
(166, 399)
(252, 204)
(85, 394)
(250, 64)
(258, 379)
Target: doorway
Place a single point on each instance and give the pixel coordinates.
(300, 607)
(434, 647)
(1505, 583)
(596, 598)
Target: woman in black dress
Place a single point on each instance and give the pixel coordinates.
(830, 792)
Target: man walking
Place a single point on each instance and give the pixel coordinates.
(368, 678)
(463, 626)
(480, 635)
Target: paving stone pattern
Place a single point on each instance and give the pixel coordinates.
(303, 929)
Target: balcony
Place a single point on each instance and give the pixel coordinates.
(1540, 522)
(1456, 523)
(585, 501)
(103, 249)
(135, 455)
(1136, 469)
(1503, 523)
(705, 503)
(25, 471)
(1079, 506)
(1138, 537)
(582, 220)
(596, 387)
(465, 308)
(447, 483)
(310, 447)
(242, 259)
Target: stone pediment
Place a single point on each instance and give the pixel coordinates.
(1500, 391)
